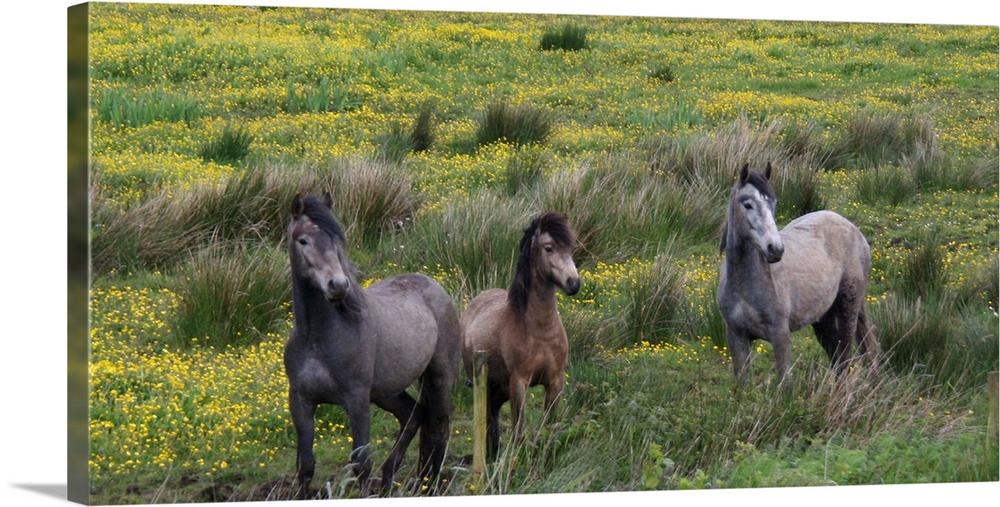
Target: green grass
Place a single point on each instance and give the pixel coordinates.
(440, 136)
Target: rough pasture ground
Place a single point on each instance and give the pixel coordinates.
(893, 126)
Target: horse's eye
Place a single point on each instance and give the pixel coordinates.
(549, 249)
(747, 205)
(303, 241)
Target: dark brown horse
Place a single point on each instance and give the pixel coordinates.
(815, 271)
(353, 347)
(520, 329)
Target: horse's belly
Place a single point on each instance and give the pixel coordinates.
(407, 340)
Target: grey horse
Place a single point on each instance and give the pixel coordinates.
(353, 347)
(815, 271)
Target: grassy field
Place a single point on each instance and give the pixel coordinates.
(440, 135)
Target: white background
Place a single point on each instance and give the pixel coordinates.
(33, 244)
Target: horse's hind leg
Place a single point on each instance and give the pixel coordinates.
(435, 398)
(867, 343)
(410, 416)
(495, 400)
(834, 331)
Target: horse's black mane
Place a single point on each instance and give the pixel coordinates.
(319, 213)
(557, 226)
(762, 184)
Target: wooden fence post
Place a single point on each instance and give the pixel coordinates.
(991, 425)
(479, 394)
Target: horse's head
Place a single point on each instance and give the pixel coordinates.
(751, 213)
(551, 248)
(316, 245)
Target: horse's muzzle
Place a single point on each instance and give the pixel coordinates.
(774, 252)
(572, 286)
(336, 288)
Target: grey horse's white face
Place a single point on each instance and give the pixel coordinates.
(757, 212)
(318, 258)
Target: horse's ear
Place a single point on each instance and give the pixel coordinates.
(767, 171)
(298, 207)
(327, 200)
(744, 174)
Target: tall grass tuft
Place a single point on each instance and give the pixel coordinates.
(654, 303)
(931, 170)
(524, 170)
(569, 37)
(519, 125)
(422, 133)
(715, 159)
(479, 236)
(924, 270)
(371, 199)
(798, 191)
(874, 139)
(918, 336)
(396, 144)
(229, 147)
(231, 296)
(885, 185)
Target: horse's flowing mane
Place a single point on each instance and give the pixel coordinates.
(320, 214)
(557, 226)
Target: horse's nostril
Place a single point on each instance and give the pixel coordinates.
(572, 286)
(775, 252)
(337, 287)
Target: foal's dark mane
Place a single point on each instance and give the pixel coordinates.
(557, 226)
(318, 212)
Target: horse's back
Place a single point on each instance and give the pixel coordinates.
(825, 256)
(828, 233)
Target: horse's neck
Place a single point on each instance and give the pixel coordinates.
(541, 312)
(314, 315)
(747, 268)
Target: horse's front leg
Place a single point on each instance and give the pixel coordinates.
(739, 351)
(555, 383)
(518, 388)
(303, 411)
(359, 415)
